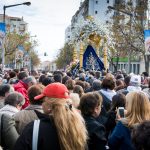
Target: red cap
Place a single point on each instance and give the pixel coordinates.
(54, 90)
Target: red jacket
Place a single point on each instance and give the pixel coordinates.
(21, 87)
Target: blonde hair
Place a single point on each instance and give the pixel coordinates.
(75, 99)
(70, 125)
(138, 108)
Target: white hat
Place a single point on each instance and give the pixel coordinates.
(135, 79)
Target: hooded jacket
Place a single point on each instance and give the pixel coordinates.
(21, 87)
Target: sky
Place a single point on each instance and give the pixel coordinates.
(47, 20)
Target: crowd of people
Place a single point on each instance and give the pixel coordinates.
(91, 110)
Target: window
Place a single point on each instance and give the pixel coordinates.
(108, 1)
(96, 12)
(96, 2)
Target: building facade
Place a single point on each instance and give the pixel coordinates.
(15, 24)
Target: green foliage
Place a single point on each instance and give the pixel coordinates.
(65, 56)
(127, 28)
(34, 58)
(13, 40)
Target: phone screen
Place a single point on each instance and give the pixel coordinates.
(121, 112)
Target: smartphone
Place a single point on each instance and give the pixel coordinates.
(121, 112)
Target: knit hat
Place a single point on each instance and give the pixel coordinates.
(54, 90)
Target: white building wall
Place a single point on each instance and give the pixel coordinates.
(98, 9)
(15, 23)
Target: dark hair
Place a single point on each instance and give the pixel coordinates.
(108, 83)
(70, 84)
(14, 99)
(127, 80)
(64, 79)
(78, 89)
(16, 70)
(148, 82)
(47, 81)
(81, 83)
(5, 88)
(22, 75)
(33, 91)
(12, 74)
(141, 136)
(145, 74)
(96, 85)
(119, 76)
(89, 102)
(118, 100)
(69, 74)
(23, 69)
(58, 78)
(42, 77)
(97, 74)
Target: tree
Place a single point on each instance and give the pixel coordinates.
(35, 60)
(128, 26)
(65, 56)
(13, 41)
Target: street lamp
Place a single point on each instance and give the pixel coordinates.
(4, 8)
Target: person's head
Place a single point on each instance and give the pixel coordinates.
(119, 84)
(12, 74)
(119, 76)
(138, 107)
(33, 91)
(118, 100)
(78, 89)
(82, 76)
(47, 80)
(15, 99)
(108, 83)
(22, 75)
(70, 84)
(145, 74)
(81, 83)
(5, 89)
(90, 104)
(127, 80)
(58, 78)
(67, 120)
(16, 70)
(141, 136)
(135, 80)
(41, 78)
(75, 99)
(96, 85)
(65, 79)
(30, 80)
(97, 74)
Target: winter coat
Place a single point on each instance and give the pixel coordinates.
(120, 138)
(21, 87)
(8, 109)
(27, 115)
(111, 122)
(96, 132)
(8, 135)
(47, 139)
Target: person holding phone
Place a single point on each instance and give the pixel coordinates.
(138, 111)
(118, 101)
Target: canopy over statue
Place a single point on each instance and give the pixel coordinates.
(91, 61)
